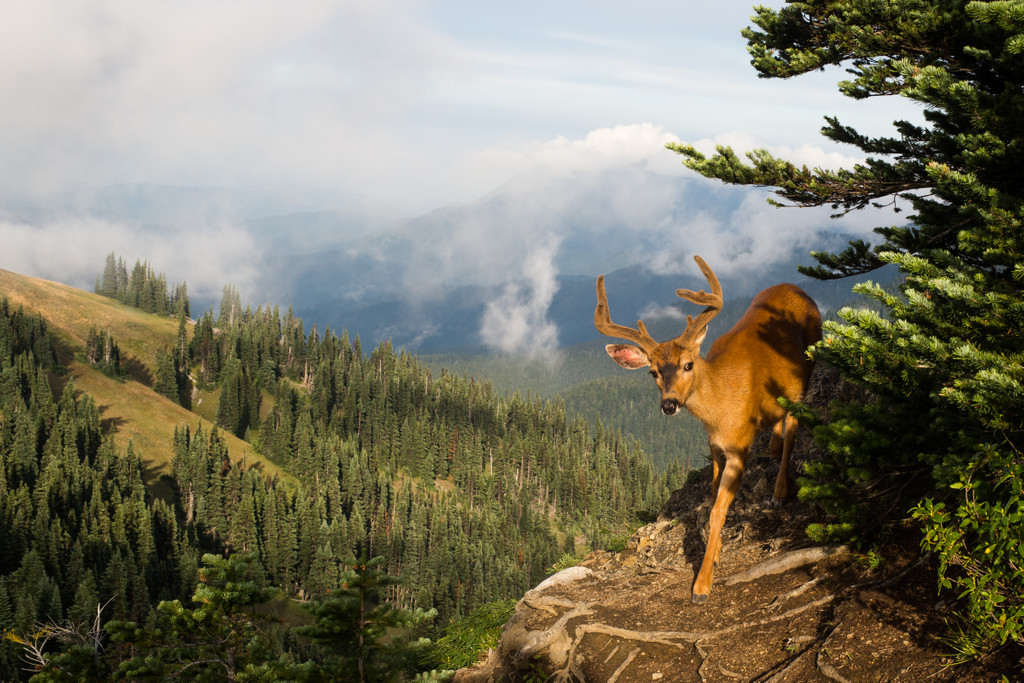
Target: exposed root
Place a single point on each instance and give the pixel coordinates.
(570, 671)
(829, 671)
(787, 561)
(658, 637)
(622, 667)
(549, 637)
(781, 673)
(768, 620)
(563, 639)
(796, 592)
(546, 603)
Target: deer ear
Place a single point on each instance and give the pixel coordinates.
(628, 356)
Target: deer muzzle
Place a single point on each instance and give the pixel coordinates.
(670, 406)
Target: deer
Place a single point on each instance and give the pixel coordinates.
(734, 391)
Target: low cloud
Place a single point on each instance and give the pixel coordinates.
(517, 322)
(614, 198)
(655, 312)
(641, 144)
(73, 250)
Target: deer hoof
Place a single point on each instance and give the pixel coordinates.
(776, 503)
(699, 599)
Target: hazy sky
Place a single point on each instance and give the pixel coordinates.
(412, 103)
(434, 101)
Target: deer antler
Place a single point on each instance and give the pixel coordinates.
(603, 323)
(713, 301)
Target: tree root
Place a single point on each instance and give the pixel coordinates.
(569, 671)
(563, 651)
(546, 603)
(548, 638)
(622, 667)
(787, 561)
(829, 671)
(796, 592)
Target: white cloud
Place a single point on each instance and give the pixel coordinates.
(401, 99)
(655, 312)
(73, 250)
(213, 92)
(600, 149)
(518, 322)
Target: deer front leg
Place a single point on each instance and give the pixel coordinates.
(728, 485)
(717, 463)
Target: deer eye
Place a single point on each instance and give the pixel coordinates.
(654, 374)
(688, 367)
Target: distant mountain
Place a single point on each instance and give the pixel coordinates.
(426, 282)
(452, 322)
(531, 248)
(596, 221)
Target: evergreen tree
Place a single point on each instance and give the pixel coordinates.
(944, 362)
(357, 625)
(108, 286)
(230, 307)
(165, 377)
(222, 637)
(182, 359)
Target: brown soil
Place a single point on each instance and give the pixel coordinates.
(780, 609)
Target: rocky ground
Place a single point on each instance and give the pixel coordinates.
(781, 608)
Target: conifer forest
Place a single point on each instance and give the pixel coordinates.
(462, 496)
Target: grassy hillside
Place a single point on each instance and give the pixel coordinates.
(130, 410)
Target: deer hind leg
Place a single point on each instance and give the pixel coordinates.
(783, 437)
(729, 483)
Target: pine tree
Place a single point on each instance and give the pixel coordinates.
(221, 638)
(358, 627)
(944, 361)
(182, 361)
(108, 286)
(230, 307)
(165, 377)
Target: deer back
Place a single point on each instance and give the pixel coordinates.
(763, 357)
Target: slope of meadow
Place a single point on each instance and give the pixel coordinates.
(130, 409)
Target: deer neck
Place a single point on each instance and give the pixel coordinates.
(704, 401)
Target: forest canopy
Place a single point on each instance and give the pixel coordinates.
(465, 496)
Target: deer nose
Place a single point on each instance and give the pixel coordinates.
(670, 406)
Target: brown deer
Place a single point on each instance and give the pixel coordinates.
(734, 391)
